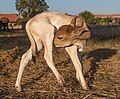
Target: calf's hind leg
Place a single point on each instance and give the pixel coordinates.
(24, 61)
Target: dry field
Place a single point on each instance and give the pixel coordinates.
(101, 68)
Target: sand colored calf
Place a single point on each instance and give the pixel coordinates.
(41, 31)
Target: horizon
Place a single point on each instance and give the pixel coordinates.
(69, 6)
(68, 13)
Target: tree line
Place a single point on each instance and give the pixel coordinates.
(29, 8)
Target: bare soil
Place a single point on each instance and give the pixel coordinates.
(101, 68)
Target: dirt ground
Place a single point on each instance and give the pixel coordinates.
(101, 68)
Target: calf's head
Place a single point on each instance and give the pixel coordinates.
(71, 34)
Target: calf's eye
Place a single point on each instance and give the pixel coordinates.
(60, 38)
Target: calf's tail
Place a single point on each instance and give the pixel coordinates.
(32, 41)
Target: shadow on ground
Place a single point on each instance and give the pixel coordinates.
(97, 56)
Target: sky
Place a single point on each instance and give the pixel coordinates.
(71, 6)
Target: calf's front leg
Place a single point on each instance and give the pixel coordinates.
(73, 53)
(49, 58)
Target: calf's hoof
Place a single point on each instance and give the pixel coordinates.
(19, 89)
(61, 81)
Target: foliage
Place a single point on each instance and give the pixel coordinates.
(103, 21)
(28, 8)
(22, 21)
(88, 16)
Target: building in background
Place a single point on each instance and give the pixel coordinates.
(12, 17)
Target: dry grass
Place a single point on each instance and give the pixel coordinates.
(101, 67)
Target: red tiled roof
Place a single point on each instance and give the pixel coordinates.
(11, 17)
(107, 15)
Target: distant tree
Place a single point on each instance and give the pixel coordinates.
(29, 8)
(88, 16)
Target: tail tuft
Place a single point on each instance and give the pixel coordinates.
(34, 59)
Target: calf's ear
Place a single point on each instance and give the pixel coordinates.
(73, 22)
(85, 35)
(77, 21)
(77, 32)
